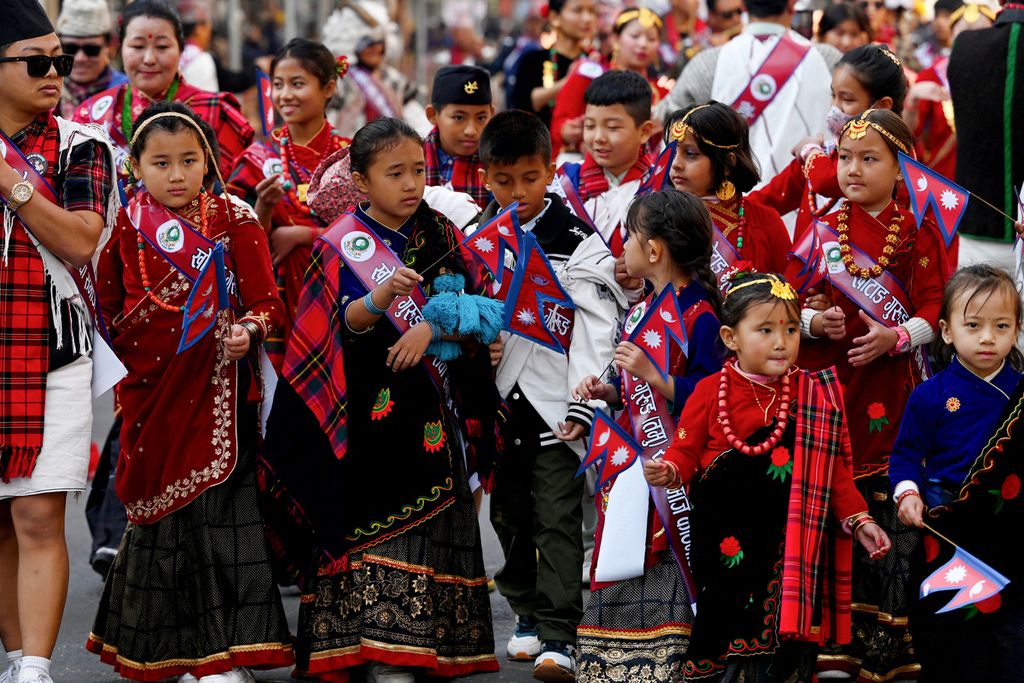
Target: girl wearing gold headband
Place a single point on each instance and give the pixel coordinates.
(635, 37)
(714, 162)
(191, 423)
(877, 249)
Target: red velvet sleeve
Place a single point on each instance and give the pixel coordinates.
(568, 105)
(769, 233)
(784, 192)
(821, 172)
(109, 278)
(930, 272)
(693, 429)
(846, 499)
(256, 285)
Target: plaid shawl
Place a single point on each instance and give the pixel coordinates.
(817, 551)
(76, 93)
(462, 171)
(594, 182)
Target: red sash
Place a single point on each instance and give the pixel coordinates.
(373, 263)
(653, 426)
(723, 257)
(773, 74)
(199, 259)
(884, 298)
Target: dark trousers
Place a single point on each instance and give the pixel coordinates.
(103, 510)
(536, 512)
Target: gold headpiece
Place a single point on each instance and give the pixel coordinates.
(857, 128)
(646, 17)
(680, 128)
(191, 122)
(780, 288)
(888, 53)
(971, 12)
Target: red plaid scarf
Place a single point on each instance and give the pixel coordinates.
(464, 172)
(24, 331)
(594, 182)
(817, 551)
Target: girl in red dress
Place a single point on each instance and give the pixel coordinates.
(886, 281)
(274, 176)
(764, 449)
(714, 162)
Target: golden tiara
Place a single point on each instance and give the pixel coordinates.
(889, 53)
(780, 289)
(646, 17)
(680, 128)
(858, 127)
(191, 122)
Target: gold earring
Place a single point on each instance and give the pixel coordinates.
(726, 191)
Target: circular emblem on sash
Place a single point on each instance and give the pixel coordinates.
(763, 87)
(120, 156)
(100, 106)
(38, 162)
(635, 317)
(358, 246)
(272, 166)
(170, 236)
(833, 257)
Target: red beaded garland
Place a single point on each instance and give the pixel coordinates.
(141, 243)
(288, 155)
(782, 416)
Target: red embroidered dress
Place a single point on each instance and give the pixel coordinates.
(257, 162)
(766, 241)
(788, 191)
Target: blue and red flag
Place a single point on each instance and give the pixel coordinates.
(610, 445)
(564, 188)
(662, 322)
(973, 580)
(491, 241)
(537, 307)
(927, 188)
(658, 177)
(263, 95)
(809, 262)
(209, 295)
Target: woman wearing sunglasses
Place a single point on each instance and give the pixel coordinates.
(84, 28)
(151, 43)
(57, 189)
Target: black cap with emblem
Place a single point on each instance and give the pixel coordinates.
(461, 84)
(23, 19)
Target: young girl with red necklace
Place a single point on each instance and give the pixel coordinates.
(274, 176)
(190, 404)
(885, 284)
(714, 162)
(764, 449)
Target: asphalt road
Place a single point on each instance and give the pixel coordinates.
(73, 664)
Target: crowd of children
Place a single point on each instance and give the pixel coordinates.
(319, 379)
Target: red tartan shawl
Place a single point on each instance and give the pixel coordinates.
(817, 551)
(24, 335)
(594, 182)
(465, 175)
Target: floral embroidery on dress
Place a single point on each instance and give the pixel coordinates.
(433, 436)
(732, 553)
(782, 464)
(952, 404)
(876, 413)
(1008, 491)
(383, 405)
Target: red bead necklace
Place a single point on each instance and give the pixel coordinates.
(781, 417)
(288, 156)
(141, 243)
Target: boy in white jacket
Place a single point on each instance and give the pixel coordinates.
(536, 504)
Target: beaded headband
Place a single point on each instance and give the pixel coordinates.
(191, 122)
(970, 13)
(858, 127)
(888, 53)
(680, 128)
(780, 288)
(646, 17)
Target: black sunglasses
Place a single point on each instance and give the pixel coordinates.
(90, 50)
(39, 65)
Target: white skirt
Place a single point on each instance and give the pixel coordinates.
(63, 462)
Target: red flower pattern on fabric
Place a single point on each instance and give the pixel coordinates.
(1011, 487)
(877, 416)
(732, 553)
(782, 463)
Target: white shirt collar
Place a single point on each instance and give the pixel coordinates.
(528, 226)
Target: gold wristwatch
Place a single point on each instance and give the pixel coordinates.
(20, 194)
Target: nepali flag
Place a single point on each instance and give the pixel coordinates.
(537, 307)
(657, 177)
(263, 90)
(209, 295)
(808, 262)
(662, 322)
(491, 242)
(927, 188)
(564, 188)
(973, 579)
(610, 445)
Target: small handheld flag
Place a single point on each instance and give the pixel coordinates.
(537, 308)
(658, 177)
(492, 240)
(263, 90)
(610, 445)
(209, 295)
(663, 321)
(563, 187)
(973, 580)
(927, 188)
(809, 261)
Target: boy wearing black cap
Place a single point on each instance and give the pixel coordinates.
(56, 184)
(460, 108)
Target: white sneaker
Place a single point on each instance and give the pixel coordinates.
(524, 645)
(557, 662)
(377, 672)
(10, 674)
(236, 675)
(34, 676)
